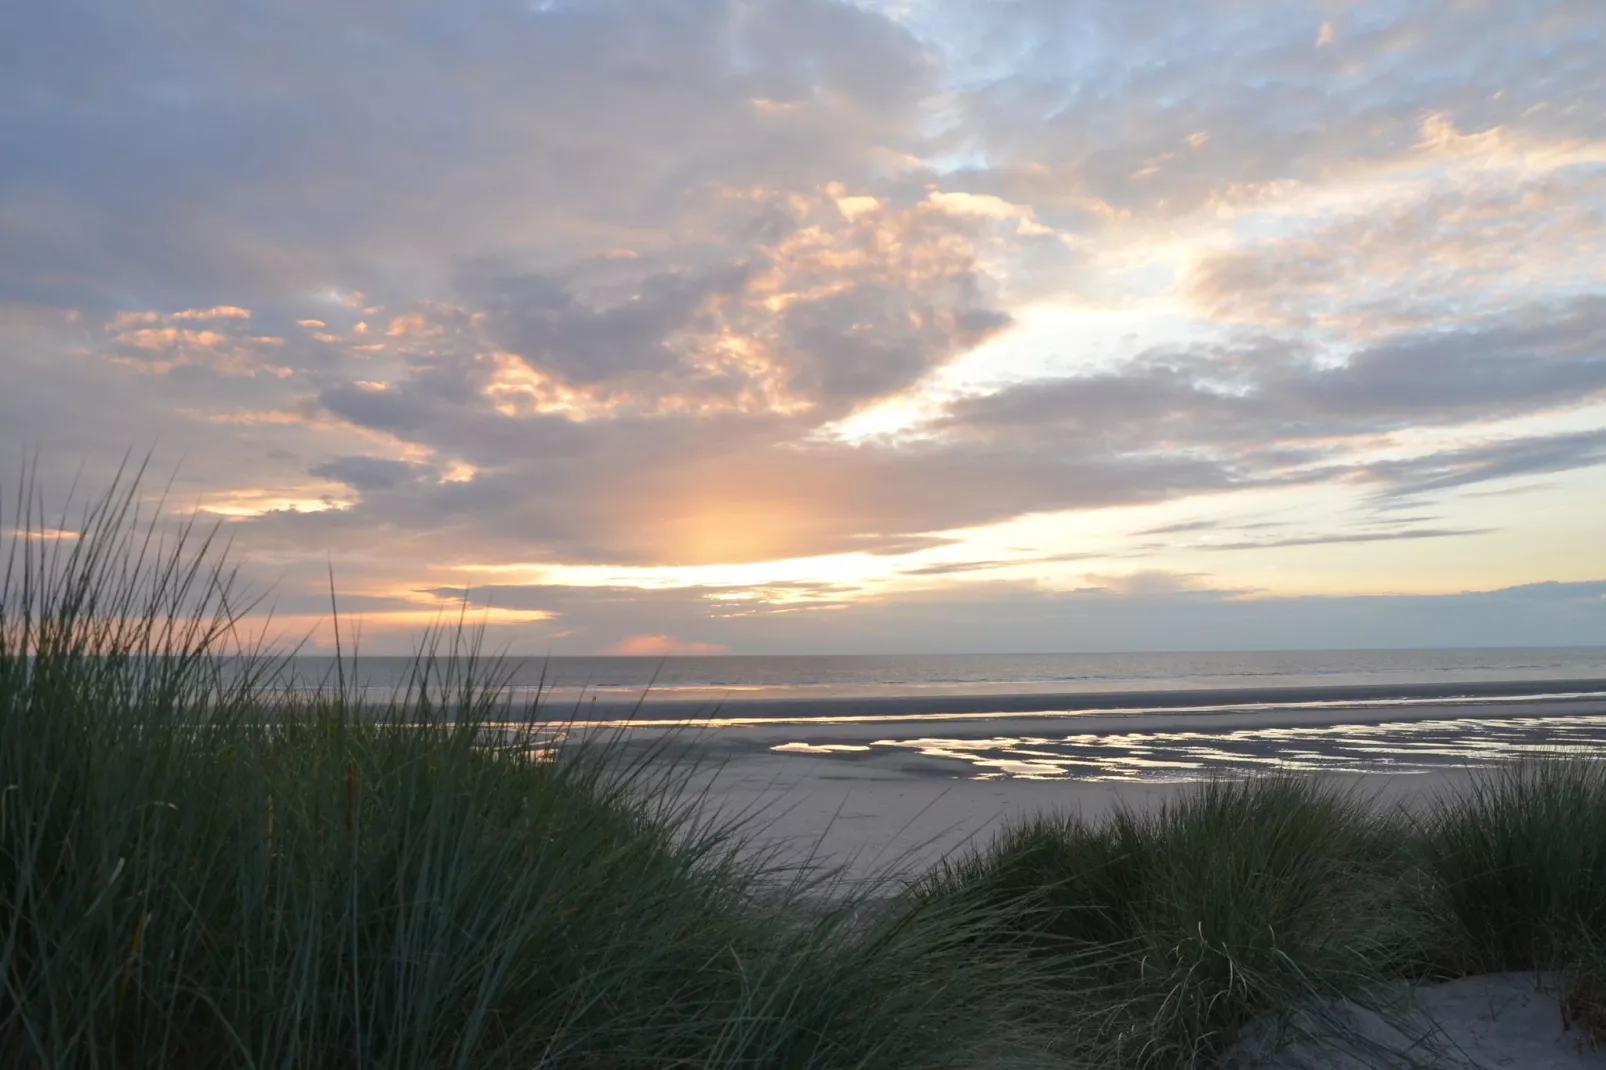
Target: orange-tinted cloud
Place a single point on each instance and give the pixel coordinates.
(216, 312)
(665, 646)
(830, 306)
(142, 343)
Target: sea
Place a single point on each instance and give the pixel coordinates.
(1113, 716)
(724, 679)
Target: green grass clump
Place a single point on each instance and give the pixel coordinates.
(1169, 930)
(199, 870)
(1517, 862)
(1176, 927)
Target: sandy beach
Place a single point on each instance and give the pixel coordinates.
(869, 818)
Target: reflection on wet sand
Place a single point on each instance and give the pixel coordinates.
(1404, 746)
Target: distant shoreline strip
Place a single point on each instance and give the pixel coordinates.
(757, 712)
(1504, 698)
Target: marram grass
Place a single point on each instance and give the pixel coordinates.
(1171, 929)
(1190, 920)
(1517, 872)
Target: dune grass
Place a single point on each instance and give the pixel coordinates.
(1517, 864)
(1172, 929)
(200, 869)
(1186, 922)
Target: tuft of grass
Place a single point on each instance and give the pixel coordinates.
(1174, 928)
(1517, 870)
(1518, 861)
(200, 867)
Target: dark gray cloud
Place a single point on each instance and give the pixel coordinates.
(371, 473)
(541, 318)
(1449, 469)
(1266, 388)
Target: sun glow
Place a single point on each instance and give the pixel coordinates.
(844, 569)
(244, 504)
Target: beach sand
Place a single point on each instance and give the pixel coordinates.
(869, 818)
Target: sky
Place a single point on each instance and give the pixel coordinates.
(818, 326)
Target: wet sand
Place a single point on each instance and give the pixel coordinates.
(872, 792)
(827, 723)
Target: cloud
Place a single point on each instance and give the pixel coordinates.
(1267, 387)
(688, 486)
(951, 568)
(1417, 260)
(226, 312)
(810, 309)
(1085, 96)
(235, 174)
(1149, 583)
(1351, 537)
(665, 646)
(221, 343)
(1181, 527)
(370, 473)
(1450, 469)
(684, 492)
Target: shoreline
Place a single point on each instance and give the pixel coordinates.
(735, 735)
(647, 709)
